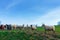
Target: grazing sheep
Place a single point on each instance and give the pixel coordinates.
(48, 28)
(5, 27)
(33, 27)
(19, 27)
(14, 27)
(1, 27)
(9, 27)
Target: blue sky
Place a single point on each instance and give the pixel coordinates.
(30, 11)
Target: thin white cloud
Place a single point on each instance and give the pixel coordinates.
(14, 2)
(50, 18)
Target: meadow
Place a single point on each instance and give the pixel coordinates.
(28, 34)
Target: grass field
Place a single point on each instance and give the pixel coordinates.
(29, 34)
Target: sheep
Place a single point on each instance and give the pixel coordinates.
(33, 27)
(2, 27)
(14, 26)
(48, 28)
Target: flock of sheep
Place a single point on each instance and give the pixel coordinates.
(11, 27)
(33, 27)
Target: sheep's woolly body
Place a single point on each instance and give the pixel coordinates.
(34, 27)
(50, 27)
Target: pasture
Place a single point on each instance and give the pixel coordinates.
(28, 34)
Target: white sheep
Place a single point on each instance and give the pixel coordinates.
(48, 28)
(33, 27)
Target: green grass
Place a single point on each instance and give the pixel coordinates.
(20, 35)
(40, 29)
(58, 29)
